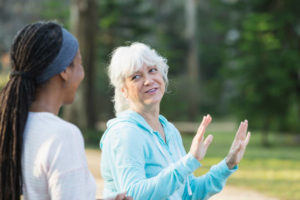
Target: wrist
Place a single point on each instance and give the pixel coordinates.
(195, 156)
(230, 164)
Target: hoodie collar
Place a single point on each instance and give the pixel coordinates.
(139, 120)
(135, 118)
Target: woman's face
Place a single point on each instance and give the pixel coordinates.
(144, 88)
(76, 75)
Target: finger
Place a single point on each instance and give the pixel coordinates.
(241, 133)
(202, 123)
(240, 127)
(247, 138)
(239, 130)
(206, 121)
(201, 128)
(240, 147)
(208, 141)
(237, 146)
(244, 130)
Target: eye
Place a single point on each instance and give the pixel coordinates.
(135, 77)
(153, 69)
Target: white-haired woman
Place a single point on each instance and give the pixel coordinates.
(142, 153)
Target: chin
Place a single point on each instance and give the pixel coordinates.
(153, 102)
(69, 101)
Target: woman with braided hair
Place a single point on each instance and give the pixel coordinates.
(41, 155)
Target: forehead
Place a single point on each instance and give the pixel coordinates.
(132, 69)
(77, 56)
(142, 68)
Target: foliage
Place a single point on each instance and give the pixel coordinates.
(264, 65)
(120, 23)
(56, 10)
(91, 138)
(248, 55)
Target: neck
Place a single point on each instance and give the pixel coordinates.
(151, 115)
(47, 100)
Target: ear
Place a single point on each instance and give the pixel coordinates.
(65, 75)
(124, 91)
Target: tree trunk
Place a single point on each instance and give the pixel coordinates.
(84, 27)
(192, 58)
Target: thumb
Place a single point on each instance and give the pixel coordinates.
(239, 147)
(208, 141)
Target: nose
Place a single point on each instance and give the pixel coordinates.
(148, 80)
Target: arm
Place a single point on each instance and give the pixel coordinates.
(212, 182)
(128, 156)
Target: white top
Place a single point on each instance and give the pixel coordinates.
(54, 164)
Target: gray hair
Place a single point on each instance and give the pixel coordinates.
(125, 61)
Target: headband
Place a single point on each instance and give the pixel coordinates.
(64, 58)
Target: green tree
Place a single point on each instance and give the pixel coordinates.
(265, 65)
(121, 22)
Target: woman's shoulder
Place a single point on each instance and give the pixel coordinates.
(52, 126)
(125, 130)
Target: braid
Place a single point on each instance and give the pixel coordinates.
(34, 47)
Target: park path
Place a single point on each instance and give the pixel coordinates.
(228, 193)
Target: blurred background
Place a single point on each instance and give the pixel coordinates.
(233, 59)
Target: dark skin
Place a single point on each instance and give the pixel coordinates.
(60, 89)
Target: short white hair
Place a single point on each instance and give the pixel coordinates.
(127, 60)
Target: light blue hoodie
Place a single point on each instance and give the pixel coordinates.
(136, 159)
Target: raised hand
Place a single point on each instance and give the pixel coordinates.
(238, 146)
(199, 145)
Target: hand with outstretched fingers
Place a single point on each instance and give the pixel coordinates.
(238, 146)
(199, 145)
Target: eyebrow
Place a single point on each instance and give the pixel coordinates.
(140, 71)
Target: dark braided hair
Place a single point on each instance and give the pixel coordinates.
(33, 49)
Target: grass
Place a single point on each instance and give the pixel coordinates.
(274, 171)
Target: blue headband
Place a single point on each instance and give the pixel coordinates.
(64, 58)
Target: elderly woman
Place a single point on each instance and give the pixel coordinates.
(142, 152)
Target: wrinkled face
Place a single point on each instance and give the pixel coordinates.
(76, 75)
(144, 88)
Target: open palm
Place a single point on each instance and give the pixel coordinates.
(238, 146)
(199, 144)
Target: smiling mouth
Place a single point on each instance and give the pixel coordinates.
(151, 90)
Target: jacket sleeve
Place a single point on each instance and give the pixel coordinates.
(128, 157)
(205, 186)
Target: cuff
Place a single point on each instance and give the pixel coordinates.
(187, 165)
(222, 169)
